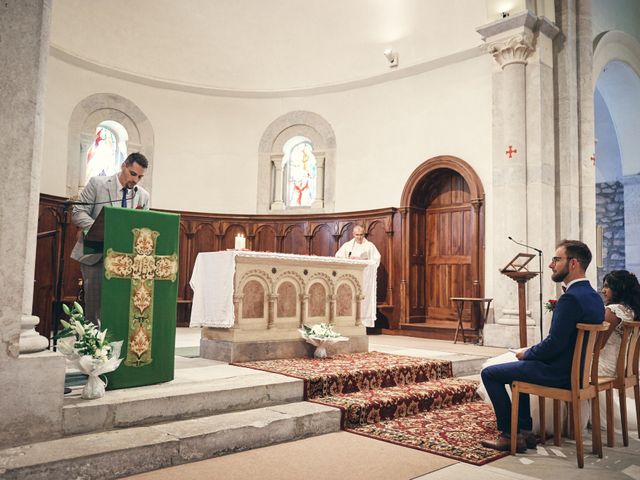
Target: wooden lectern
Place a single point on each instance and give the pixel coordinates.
(516, 270)
(139, 291)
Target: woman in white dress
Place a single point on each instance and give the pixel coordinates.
(621, 292)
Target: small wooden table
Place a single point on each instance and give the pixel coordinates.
(460, 308)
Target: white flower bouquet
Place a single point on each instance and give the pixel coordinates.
(86, 348)
(320, 335)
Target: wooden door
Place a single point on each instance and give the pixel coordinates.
(449, 236)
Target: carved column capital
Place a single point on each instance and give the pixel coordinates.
(515, 49)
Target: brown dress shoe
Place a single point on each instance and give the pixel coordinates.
(503, 443)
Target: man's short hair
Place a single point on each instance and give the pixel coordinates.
(578, 250)
(138, 158)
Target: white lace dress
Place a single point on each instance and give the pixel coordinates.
(609, 354)
(607, 368)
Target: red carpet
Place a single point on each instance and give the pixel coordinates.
(408, 401)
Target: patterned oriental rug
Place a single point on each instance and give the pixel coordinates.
(354, 372)
(409, 401)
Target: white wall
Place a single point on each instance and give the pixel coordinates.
(206, 147)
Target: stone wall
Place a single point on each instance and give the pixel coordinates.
(610, 215)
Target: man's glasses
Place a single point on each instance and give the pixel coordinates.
(557, 259)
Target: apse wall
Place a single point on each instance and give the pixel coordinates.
(206, 147)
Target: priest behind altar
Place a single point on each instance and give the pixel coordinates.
(359, 248)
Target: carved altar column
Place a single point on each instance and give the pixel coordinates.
(332, 309)
(304, 301)
(273, 297)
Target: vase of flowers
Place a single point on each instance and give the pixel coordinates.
(320, 335)
(86, 348)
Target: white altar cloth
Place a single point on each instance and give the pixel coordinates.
(212, 282)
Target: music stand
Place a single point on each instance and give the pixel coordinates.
(518, 263)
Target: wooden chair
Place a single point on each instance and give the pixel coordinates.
(626, 377)
(583, 387)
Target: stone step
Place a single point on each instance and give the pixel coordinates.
(371, 406)
(203, 391)
(117, 453)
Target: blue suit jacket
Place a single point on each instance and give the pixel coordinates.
(579, 304)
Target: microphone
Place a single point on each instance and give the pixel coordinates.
(524, 244)
(74, 202)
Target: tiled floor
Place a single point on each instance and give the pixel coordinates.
(547, 462)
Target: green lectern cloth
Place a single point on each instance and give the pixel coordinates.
(139, 293)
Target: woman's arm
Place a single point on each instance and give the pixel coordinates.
(610, 317)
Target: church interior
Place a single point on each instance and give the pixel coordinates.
(465, 138)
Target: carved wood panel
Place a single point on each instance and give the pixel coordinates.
(201, 232)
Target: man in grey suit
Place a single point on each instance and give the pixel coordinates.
(119, 190)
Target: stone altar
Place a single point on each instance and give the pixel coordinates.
(251, 304)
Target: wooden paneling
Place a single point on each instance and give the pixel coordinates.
(201, 232)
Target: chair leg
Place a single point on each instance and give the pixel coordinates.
(570, 427)
(596, 433)
(577, 431)
(610, 433)
(636, 394)
(543, 418)
(515, 404)
(557, 422)
(623, 416)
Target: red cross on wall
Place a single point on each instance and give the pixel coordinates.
(511, 151)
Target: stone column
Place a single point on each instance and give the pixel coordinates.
(511, 42)
(632, 222)
(319, 200)
(278, 200)
(586, 130)
(32, 384)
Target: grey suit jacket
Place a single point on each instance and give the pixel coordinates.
(100, 191)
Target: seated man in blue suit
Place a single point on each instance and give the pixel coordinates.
(549, 362)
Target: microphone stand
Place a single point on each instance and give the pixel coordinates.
(539, 274)
(57, 299)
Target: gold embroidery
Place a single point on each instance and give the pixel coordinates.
(143, 268)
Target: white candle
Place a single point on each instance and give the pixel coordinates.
(241, 242)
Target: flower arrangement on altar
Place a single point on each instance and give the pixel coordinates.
(550, 305)
(320, 335)
(87, 348)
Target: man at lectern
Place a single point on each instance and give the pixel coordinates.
(359, 248)
(118, 190)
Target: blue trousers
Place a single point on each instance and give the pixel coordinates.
(496, 377)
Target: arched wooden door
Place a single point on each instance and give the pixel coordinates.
(443, 229)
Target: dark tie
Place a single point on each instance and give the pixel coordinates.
(123, 204)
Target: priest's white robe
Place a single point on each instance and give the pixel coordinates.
(359, 251)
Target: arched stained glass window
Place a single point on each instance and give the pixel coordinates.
(107, 152)
(301, 172)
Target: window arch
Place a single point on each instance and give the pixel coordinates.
(108, 114)
(296, 170)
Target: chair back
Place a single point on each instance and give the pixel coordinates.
(584, 368)
(627, 363)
